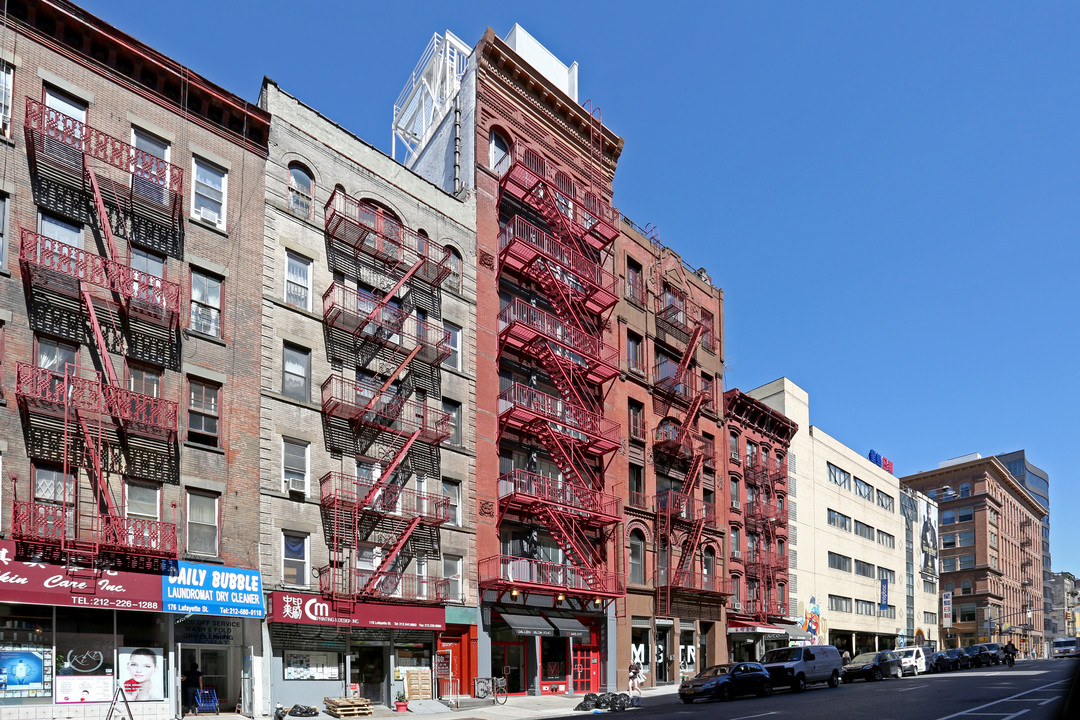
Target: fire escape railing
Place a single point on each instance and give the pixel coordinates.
(364, 404)
(390, 587)
(509, 571)
(522, 404)
(369, 319)
(348, 492)
(585, 503)
(520, 323)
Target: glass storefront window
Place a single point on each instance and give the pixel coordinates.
(641, 648)
(26, 657)
(553, 656)
(85, 645)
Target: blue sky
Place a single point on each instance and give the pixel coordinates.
(887, 192)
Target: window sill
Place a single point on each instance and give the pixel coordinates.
(5, 272)
(6, 140)
(308, 405)
(189, 333)
(212, 559)
(199, 222)
(207, 448)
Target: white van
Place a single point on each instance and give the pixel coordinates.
(913, 659)
(797, 667)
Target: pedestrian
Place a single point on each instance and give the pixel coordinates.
(846, 657)
(190, 682)
(635, 674)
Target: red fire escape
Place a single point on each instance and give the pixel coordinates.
(561, 335)
(373, 509)
(767, 520)
(678, 513)
(83, 418)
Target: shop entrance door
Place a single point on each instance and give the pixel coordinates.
(586, 669)
(511, 658)
(213, 663)
(662, 660)
(367, 669)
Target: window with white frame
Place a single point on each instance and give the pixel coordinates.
(454, 360)
(637, 557)
(301, 191)
(294, 558)
(498, 152)
(296, 372)
(839, 604)
(294, 465)
(454, 281)
(864, 607)
(298, 281)
(149, 174)
(205, 303)
(452, 490)
(453, 409)
(142, 503)
(452, 569)
(203, 412)
(209, 192)
(7, 73)
(202, 523)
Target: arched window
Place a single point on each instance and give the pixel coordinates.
(422, 242)
(498, 152)
(637, 557)
(932, 494)
(301, 191)
(965, 490)
(454, 281)
(949, 587)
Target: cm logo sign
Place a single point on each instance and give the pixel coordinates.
(316, 610)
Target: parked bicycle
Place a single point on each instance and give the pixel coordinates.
(493, 687)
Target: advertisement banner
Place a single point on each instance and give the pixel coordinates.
(213, 590)
(142, 673)
(309, 609)
(928, 537)
(946, 609)
(41, 583)
(884, 605)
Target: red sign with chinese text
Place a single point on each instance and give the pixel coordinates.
(308, 609)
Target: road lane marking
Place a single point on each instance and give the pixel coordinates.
(974, 710)
(916, 687)
(747, 717)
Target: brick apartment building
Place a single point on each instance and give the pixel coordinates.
(367, 396)
(991, 554)
(130, 196)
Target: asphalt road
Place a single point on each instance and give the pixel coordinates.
(1033, 690)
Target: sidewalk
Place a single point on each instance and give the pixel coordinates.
(538, 707)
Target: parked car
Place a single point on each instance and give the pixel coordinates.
(913, 658)
(796, 667)
(723, 682)
(960, 659)
(979, 655)
(938, 661)
(873, 666)
(997, 651)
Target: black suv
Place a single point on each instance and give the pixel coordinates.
(980, 656)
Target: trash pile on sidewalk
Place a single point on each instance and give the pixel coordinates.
(607, 701)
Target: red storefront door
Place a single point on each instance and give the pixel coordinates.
(586, 669)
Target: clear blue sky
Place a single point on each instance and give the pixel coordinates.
(888, 192)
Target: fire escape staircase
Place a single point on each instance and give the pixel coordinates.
(560, 373)
(371, 587)
(567, 455)
(575, 545)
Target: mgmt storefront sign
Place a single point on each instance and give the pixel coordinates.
(308, 609)
(213, 590)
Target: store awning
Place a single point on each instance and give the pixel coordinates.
(797, 633)
(569, 627)
(529, 625)
(750, 626)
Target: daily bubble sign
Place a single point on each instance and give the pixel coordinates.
(213, 590)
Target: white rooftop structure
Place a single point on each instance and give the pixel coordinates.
(543, 60)
(959, 460)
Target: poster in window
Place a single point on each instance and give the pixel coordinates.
(84, 667)
(142, 673)
(24, 670)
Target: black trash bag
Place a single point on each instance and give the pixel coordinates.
(617, 705)
(585, 706)
(636, 702)
(304, 711)
(590, 697)
(604, 701)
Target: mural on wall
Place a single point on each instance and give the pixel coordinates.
(813, 623)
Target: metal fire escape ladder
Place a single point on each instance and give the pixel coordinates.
(691, 418)
(372, 584)
(379, 306)
(559, 296)
(390, 381)
(99, 205)
(388, 473)
(688, 354)
(577, 547)
(574, 467)
(690, 548)
(562, 377)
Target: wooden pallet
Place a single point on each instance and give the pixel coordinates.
(347, 707)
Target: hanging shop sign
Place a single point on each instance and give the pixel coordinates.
(213, 590)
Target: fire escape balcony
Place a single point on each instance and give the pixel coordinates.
(760, 563)
(362, 404)
(676, 313)
(368, 319)
(522, 490)
(52, 525)
(61, 146)
(505, 572)
(708, 449)
(390, 587)
(347, 492)
(359, 228)
(522, 245)
(666, 439)
(694, 582)
(666, 380)
(762, 607)
(42, 390)
(526, 176)
(759, 514)
(521, 323)
(681, 508)
(521, 405)
(755, 473)
(56, 266)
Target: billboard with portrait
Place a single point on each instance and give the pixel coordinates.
(929, 540)
(142, 673)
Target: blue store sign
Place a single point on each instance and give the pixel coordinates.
(213, 590)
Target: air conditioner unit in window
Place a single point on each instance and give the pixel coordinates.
(736, 554)
(735, 505)
(208, 215)
(297, 485)
(736, 605)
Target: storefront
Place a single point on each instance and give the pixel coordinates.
(370, 650)
(455, 658)
(749, 640)
(71, 635)
(549, 653)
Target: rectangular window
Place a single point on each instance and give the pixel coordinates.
(453, 409)
(965, 538)
(141, 501)
(209, 193)
(888, 612)
(839, 520)
(929, 586)
(734, 440)
(948, 564)
(635, 283)
(708, 336)
(452, 572)
(864, 568)
(149, 176)
(51, 485)
(145, 380)
(993, 540)
(864, 530)
(965, 514)
(298, 281)
(948, 517)
(839, 604)
(454, 360)
(734, 490)
(294, 558)
(886, 574)
(839, 477)
(966, 612)
(707, 391)
(205, 303)
(948, 540)
(294, 465)
(992, 516)
(202, 523)
(864, 489)
(930, 618)
(635, 353)
(296, 373)
(452, 490)
(637, 486)
(839, 562)
(864, 607)
(7, 73)
(636, 413)
(3, 231)
(885, 500)
(965, 562)
(203, 412)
